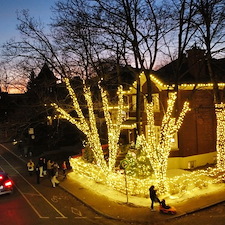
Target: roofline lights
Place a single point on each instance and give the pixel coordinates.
(162, 85)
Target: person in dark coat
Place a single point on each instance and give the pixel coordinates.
(54, 176)
(41, 164)
(153, 196)
(37, 174)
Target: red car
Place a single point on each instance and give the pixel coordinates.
(6, 184)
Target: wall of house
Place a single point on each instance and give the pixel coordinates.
(198, 132)
(191, 162)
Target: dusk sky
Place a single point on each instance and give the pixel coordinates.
(38, 9)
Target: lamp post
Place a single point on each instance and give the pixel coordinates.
(124, 163)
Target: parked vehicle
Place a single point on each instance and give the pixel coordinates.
(6, 183)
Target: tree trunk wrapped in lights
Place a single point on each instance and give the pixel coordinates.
(89, 127)
(113, 127)
(220, 143)
(158, 150)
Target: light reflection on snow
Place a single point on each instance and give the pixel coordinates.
(189, 184)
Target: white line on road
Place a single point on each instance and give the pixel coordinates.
(41, 217)
(62, 216)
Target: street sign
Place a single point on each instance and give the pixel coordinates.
(124, 163)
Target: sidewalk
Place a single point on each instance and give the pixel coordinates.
(137, 213)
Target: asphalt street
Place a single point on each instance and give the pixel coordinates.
(41, 204)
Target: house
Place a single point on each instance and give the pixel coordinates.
(26, 117)
(195, 143)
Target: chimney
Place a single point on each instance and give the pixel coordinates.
(196, 63)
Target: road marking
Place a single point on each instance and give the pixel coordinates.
(62, 216)
(12, 153)
(54, 198)
(41, 217)
(78, 213)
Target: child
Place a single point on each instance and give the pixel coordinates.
(163, 204)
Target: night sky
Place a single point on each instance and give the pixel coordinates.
(38, 9)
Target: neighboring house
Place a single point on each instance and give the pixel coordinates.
(42, 87)
(195, 143)
(25, 116)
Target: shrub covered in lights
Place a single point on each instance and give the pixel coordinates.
(138, 186)
(139, 164)
(88, 155)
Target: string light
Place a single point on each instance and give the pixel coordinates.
(220, 142)
(88, 125)
(157, 149)
(163, 86)
(137, 186)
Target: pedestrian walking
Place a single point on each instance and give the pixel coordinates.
(64, 168)
(153, 197)
(41, 164)
(50, 164)
(30, 167)
(54, 179)
(44, 167)
(38, 174)
(56, 168)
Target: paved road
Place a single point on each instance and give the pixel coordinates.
(40, 204)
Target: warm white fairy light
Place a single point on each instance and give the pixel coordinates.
(113, 127)
(159, 150)
(163, 86)
(177, 185)
(93, 136)
(220, 131)
(87, 126)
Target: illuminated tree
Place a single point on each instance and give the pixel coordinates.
(220, 130)
(88, 125)
(158, 150)
(113, 127)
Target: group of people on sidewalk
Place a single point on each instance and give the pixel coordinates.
(46, 168)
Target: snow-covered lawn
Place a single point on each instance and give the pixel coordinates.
(184, 185)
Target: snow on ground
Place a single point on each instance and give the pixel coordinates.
(114, 195)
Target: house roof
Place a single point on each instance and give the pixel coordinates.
(193, 70)
(46, 74)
